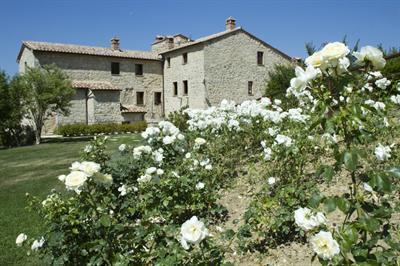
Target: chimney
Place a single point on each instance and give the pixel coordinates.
(115, 43)
(230, 23)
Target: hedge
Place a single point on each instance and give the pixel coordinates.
(110, 128)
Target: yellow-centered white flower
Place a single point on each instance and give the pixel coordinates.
(324, 245)
(75, 179)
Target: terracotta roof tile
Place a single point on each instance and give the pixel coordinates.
(94, 85)
(89, 50)
(223, 33)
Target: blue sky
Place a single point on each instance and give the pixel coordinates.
(285, 24)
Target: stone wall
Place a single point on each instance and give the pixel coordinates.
(106, 107)
(193, 72)
(27, 59)
(98, 68)
(230, 63)
(77, 110)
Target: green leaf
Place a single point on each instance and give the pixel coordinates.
(343, 204)
(381, 182)
(329, 204)
(105, 220)
(315, 200)
(350, 160)
(328, 172)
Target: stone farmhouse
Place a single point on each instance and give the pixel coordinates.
(122, 86)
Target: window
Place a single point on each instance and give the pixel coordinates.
(157, 98)
(250, 87)
(140, 98)
(114, 68)
(185, 87)
(175, 88)
(139, 69)
(185, 58)
(260, 58)
(168, 61)
(126, 122)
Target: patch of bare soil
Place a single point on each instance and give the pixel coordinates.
(236, 200)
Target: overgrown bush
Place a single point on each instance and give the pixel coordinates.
(279, 81)
(110, 128)
(158, 203)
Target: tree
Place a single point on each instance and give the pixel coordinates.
(45, 89)
(279, 81)
(11, 112)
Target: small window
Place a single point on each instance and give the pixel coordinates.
(185, 87)
(157, 98)
(139, 69)
(250, 87)
(175, 88)
(185, 58)
(168, 61)
(114, 68)
(260, 58)
(140, 98)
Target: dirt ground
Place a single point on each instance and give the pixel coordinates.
(236, 200)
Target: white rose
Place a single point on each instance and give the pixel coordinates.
(395, 99)
(282, 139)
(151, 170)
(382, 83)
(37, 244)
(61, 178)
(315, 60)
(88, 148)
(306, 220)
(267, 154)
(372, 54)
(122, 147)
(382, 153)
(344, 63)
(271, 180)
(122, 190)
(21, 239)
(334, 51)
(75, 180)
(169, 140)
(144, 178)
(75, 166)
(89, 168)
(160, 171)
(324, 245)
(200, 185)
(199, 141)
(193, 231)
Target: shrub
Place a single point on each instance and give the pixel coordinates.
(135, 208)
(279, 81)
(82, 129)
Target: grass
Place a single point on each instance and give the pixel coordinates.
(34, 170)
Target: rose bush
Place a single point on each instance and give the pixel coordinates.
(142, 205)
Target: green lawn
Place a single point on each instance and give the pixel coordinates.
(34, 169)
